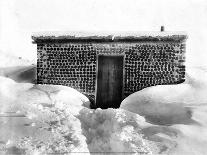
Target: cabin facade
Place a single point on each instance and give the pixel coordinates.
(110, 67)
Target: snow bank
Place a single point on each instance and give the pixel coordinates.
(7, 60)
(10, 89)
(17, 69)
(180, 108)
(170, 104)
(113, 131)
(197, 76)
(120, 131)
(39, 119)
(55, 119)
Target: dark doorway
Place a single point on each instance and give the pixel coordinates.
(109, 89)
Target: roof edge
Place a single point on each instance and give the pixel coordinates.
(58, 36)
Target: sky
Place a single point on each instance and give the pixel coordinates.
(20, 18)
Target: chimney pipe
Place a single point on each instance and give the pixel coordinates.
(162, 28)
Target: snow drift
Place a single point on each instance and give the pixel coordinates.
(35, 121)
(171, 104)
(17, 69)
(42, 119)
(8, 60)
(181, 107)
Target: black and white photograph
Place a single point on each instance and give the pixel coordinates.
(99, 77)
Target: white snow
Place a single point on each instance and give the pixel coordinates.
(107, 35)
(167, 100)
(40, 119)
(55, 119)
(33, 113)
(182, 107)
(7, 60)
(113, 131)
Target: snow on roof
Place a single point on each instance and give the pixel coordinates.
(108, 36)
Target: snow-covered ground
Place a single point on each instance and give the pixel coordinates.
(8, 60)
(182, 108)
(36, 119)
(18, 69)
(56, 119)
(41, 119)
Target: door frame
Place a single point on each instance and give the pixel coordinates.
(123, 79)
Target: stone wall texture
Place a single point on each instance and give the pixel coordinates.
(146, 64)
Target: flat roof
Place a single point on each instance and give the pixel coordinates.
(65, 36)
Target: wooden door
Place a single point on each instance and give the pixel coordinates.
(109, 89)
